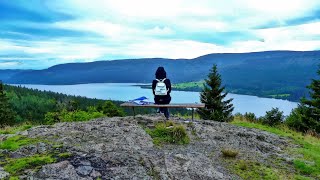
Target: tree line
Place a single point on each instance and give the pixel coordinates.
(20, 104)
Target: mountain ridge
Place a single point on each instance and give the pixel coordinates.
(256, 73)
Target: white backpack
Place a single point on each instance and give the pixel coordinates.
(161, 88)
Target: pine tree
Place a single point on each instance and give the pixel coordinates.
(7, 115)
(313, 105)
(216, 108)
(306, 116)
(314, 102)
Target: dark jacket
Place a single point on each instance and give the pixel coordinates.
(166, 97)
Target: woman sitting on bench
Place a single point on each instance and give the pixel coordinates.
(161, 88)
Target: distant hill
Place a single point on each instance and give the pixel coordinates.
(6, 74)
(272, 72)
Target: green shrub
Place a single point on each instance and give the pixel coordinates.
(301, 120)
(251, 117)
(163, 134)
(52, 117)
(238, 115)
(111, 110)
(273, 117)
(65, 116)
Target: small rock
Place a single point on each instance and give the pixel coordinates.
(261, 138)
(42, 148)
(85, 163)
(23, 133)
(84, 170)
(95, 174)
(61, 170)
(181, 157)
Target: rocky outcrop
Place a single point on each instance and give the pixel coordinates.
(119, 148)
(3, 174)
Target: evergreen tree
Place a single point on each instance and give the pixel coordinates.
(307, 115)
(7, 115)
(314, 102)
(110, 109)
(216, 108)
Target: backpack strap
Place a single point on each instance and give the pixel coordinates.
(161, 80)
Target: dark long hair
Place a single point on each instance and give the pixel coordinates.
(161, 73)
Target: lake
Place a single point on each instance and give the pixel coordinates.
(127, 91)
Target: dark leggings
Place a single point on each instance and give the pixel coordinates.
(166, 100)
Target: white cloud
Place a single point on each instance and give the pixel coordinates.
(9, 64)
(169, 29)
(100, 27)
(56, 49)
(299, 38)
(171, 49)
(290, 33)
(235, 13)
(158, 31)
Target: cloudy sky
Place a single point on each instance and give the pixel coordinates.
(40, 33)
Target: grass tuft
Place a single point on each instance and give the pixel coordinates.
(169, 123)
(15, 142)
(254, 170)
(227, 152)
(15, 166)
(14, 178)
(65, 155)
(14, 129)
(175, 134)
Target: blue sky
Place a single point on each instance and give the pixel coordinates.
(40, 33)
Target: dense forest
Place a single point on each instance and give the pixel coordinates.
(45, 107)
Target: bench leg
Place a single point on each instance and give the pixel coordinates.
(192, 113)
(134, 113)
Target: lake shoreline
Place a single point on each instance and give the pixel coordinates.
(191, 90)
(130, 91)
(148, 86)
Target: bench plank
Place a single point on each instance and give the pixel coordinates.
(172, 105)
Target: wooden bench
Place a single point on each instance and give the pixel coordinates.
(172, 105)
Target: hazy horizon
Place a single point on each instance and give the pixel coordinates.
(99, 60)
